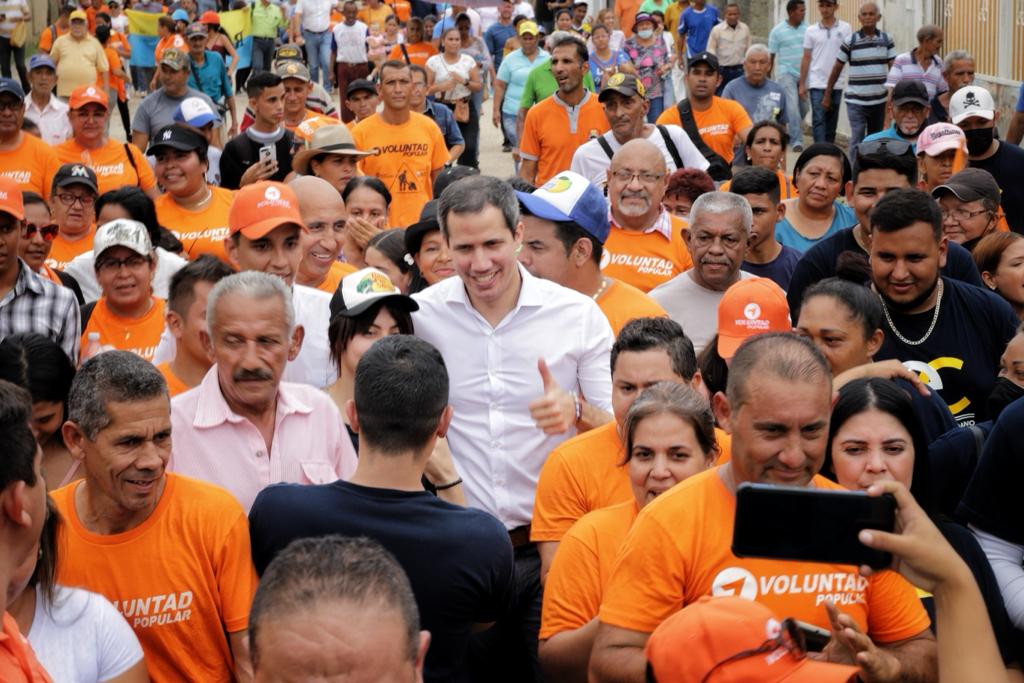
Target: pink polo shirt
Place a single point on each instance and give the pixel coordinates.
(212, 443)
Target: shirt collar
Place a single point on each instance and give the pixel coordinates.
(662, 224)
(529, 293)
(212, 410)
(27, 280)
(569, 107)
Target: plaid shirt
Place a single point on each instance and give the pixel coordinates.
(37, 305)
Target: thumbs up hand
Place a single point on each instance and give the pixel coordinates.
(555, 411)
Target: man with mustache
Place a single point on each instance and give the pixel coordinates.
(717, 239)
(243, 428)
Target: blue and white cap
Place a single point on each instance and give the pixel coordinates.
(195, 112)
(570, 197)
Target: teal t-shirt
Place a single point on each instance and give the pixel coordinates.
(787, 235)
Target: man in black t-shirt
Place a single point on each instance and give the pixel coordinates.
(459, 560)
(951, 333)
(264, 150)
(874, 176)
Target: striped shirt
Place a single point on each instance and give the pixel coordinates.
(35, 304)
(13, 10)
(786, 42)
(906, 68)
(868, 57)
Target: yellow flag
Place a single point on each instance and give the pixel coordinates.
(236, 23)
(142, 23)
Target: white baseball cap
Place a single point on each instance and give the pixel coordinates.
(971, 100)
(363, 288)
(122, 232)
(195, 112)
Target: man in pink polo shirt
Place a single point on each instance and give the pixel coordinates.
(243, 428)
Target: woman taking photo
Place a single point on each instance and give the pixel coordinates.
(766, 147)
(1000, 260)
(366, 201)
(652, 61)
(669, 435)
(820, 174)
(604, 61)
(454, 79)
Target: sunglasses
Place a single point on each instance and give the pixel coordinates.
(885, 146)
(790, 637)
(47, 232)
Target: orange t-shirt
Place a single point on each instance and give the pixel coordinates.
(623, 302)
(110, 163)
(201, 232)
(719, 124)
(787, 190)
(377, 16)
(402, 9)
(32, 165)
(586, 473)
(174, 385)
(304, 131)
(116, 82)
(173, 40)
(551, 137)
(419, 53)
(138, 335)
(582, 565)
(625, 12)
(180, 579)
(17, 660)
(679, 550)
(646, 259)
(408, 156)
(334, 275)
(50, 34)
(63, 250)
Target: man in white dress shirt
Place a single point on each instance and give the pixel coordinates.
(42, 106)
(529, 367)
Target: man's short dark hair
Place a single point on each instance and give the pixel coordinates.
(559, 41)
(181, 292)
(646, 334)
(793, 4)
(17, 444)
(417, 69)
(392, 64)
(756, 180)
(473, 195)
(900, 209)
(260, 81)
(401, 390)
(904, 164)
(781, 355)
(314, 572)
(111, 377)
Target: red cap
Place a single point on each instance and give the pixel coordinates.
(10, 198)
(751, 306)
(209, 17)
(88, 94)
(697, 641)
(259, 208)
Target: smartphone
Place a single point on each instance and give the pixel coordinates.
(815, 637)
(268, 153)
(809, 524)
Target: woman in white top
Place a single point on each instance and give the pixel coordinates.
(13, 13)
(78, 636)
(454, 78)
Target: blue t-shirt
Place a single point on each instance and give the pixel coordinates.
(212, 77)
(1020, 99)
(891, 133)
(786, 42)
(696, 26)
(597, 67)
(494, 39)
(766, 102)
(788, 236)
(780, 271)
(459, 560)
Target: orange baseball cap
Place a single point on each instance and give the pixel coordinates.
(260, 207)
(88, 94)
(752, 306)
(11, 201)
(733, 640)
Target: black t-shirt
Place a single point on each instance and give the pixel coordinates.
(1007, 167)
(993, 500)
(961, 355)
(955, 454)
(780, 270)
(459, 560)
(242, 151)
(819, 262)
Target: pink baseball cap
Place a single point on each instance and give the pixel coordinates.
(940, 137)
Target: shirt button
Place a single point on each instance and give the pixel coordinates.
(261, 454)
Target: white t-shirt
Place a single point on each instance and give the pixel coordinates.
(443, 72)
(824, 46)
(351, 42)
(524, 8)
(692, 306)
(81, 638)
(592, 162)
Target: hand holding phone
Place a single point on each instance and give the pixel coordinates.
(268, 153)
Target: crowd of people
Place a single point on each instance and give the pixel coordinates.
(290, 390)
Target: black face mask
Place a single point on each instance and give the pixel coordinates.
(1003, 394)
(979, 140)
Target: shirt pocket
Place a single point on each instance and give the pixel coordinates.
(317, 472)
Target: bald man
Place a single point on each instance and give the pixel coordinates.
(323, 212)
(645, 246)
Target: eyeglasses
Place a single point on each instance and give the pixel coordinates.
(884, 146)
(68, 199)
(48, 232)
(790, 637)
(961, 215)
(647, 178)
(113, 265)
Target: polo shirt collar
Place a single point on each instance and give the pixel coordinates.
(662, 224)
(212, 409)
(569, 107)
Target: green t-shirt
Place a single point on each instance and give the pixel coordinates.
(541, 84)
(652, 6)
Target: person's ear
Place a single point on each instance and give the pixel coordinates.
(175, 324)
(723, 411)
(875, 342)
(298, 334)
(849, 192)
(351, 415)
(445, 422)
(581, 252)
(14, 503)
(988, 279)
(231, 249)
(73, 437)
(780, 211)
(943, 251)
(421, 654)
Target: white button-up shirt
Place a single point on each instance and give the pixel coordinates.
(493, 376)
(316, 14)
(52, 119)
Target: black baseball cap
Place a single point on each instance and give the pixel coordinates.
(427, 224)
(358, 85)
(627, 85)
(705, 57)
(910, 92)
(969, 185)
(75, 174)
(176, 136)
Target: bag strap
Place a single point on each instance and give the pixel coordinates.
(690, 126)
(86, 313)
(405, 53)
(979, 441)
(131, 160)
(605, 146)
(670, 145)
